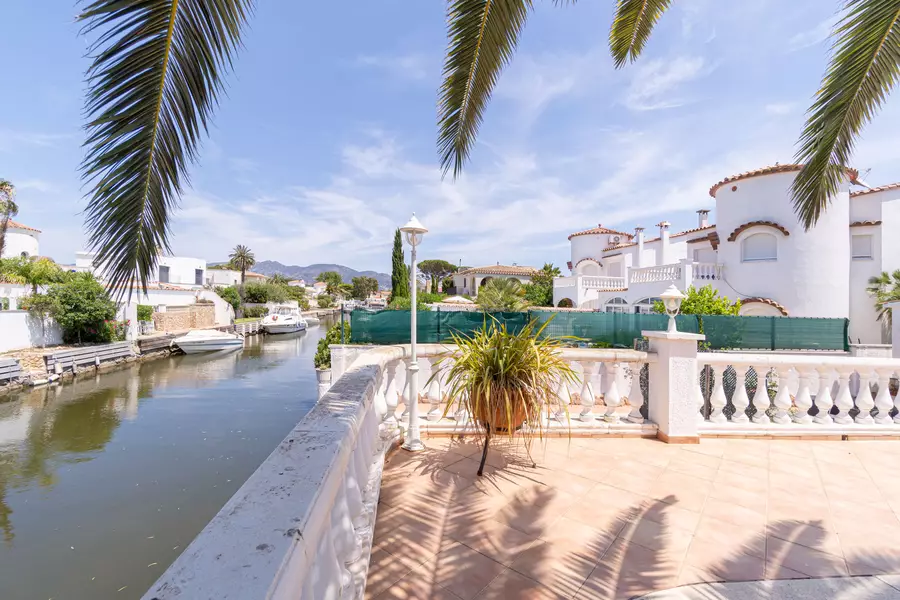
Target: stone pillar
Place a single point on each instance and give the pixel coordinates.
(687, 273)
(672, 403)
(130, 315)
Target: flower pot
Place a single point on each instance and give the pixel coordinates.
(323, 375)
(495, 417)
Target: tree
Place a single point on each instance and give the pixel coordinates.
(502, 294)
(399, 270)
(704, 301)
(325, 301)
(332, 281)
(230, 295)
(242, 259)
(82, 308)
(363, 287)
(345, 290)
(278, 279)
(436, 269)
(158, 66)
(884, 288)
(540, 291)
(8, 209)
(34, 271)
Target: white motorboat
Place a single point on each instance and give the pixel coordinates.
(284, 320)
(208, 340)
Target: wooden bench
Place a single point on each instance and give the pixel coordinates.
(10, 369)
(92, 355)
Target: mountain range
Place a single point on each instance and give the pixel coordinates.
(309, 274)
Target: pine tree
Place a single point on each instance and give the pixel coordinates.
(399, 270)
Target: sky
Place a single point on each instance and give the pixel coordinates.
(326, 139)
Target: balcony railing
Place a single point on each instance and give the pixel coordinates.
(653, 274)
(595, 282)
(707, 271)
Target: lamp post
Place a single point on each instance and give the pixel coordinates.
(413, 231)
(672, 299)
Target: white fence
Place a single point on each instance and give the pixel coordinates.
(707, 271)
(20, 330)
(653, 274)
(598, 282)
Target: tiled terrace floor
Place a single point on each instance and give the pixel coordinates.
(618, 518)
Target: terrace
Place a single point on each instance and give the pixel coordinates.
(761, 488)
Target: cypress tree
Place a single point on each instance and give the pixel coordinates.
(399, 270)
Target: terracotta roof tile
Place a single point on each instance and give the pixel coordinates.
(600, 229)
(786, 168)
(864, 223)
(768, 301)
(881, 188)
(500, 270)
(741, 228)
(18, 225)
(596, 260)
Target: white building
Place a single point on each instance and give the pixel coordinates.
(21, 240)
(222, 277)
(757, 251)
(469, 280)
(175, 270)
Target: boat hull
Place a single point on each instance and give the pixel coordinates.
(199, 346)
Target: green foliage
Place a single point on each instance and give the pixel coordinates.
(33, 271)
(429, 298)
(256, 293)
(632, 26)
(278, 279)
(406, 304)
(399, 270)
(322, 359)
(436, 270)
(242, 259)
(540, 291)
(8, 209)
(254, 312)
(82, 308)
(344, 290)
(325, 301)
(332, 281)
(230, 295)
(363, 287)
(704, 301)
(145, 312)
(882, 289)
(502, 294)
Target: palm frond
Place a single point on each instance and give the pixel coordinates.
(632, 26)
(482, 35)
(155, 78)
(864, 68)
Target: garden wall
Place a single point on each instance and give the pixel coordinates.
(19, 330)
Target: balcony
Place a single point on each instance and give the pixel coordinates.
(603, 512)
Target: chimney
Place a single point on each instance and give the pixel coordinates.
(704, 217)
(639, 237)
(663, 255)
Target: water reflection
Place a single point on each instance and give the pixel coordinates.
(157, 447)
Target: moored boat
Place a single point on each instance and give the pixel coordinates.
(284, 320)
(208, 340)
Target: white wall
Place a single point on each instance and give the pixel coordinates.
(811, 277)
(182, 269)
(21, 330)
(224, 311)
(222, 277)
(19, 241)
(864, 325)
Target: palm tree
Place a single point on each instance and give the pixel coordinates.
(884, 288)
(550, 270)
(242, 259)
(502, 294)
(158, 68)
(8, 209)
(278, 279)
(33, 271)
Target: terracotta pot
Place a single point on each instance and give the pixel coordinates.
(497, 420)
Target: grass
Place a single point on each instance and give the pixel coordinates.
(246, 320)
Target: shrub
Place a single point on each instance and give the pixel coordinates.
(325, 301)
(404, 303)
(82, 308)
(256, 293)
(429, 298)
(322, 359)
(254, 312)
(230, 295)
(144, 312)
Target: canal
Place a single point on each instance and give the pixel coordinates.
(105, 481)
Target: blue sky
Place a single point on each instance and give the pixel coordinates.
(326, 139)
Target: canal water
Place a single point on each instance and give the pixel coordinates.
(105, 481)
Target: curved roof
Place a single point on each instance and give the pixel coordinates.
(776, 168)
(599, 229)
(596, 260)
(18, 225)
(864, 223)
(771, 224)
(768, 301)
(500, 270)
(875, 190)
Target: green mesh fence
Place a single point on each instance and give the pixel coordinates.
(613, 329)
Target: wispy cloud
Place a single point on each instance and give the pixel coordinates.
(413, 66)
(656, 83)
(816, 35)
(38, 185)
(11, 140)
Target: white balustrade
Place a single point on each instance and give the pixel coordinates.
(589, 369)
(670, 272)
(707, 271)
(805, 401)
(635, 394)
(600, 282)
(433, 392)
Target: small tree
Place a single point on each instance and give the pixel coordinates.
(399, 270)
(82, 308)
(145, 312)
(39, 306)
(436, 269)
(325, 301)
(704, 301)
(278, 279)
(502, 294)
(8, 209)
(882, 289)
(540, 291)
(332, 281)
(322, 359)
(242, 259)
(230, 295)
(363, 287)
(33, 271)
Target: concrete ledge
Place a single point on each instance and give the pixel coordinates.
(681, 439)
(794, 430)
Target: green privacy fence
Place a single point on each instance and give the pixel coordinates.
(615, 329)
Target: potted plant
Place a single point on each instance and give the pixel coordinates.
(505, 380)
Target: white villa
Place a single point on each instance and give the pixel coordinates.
(468, 281)
(757, 251)
(21, 240)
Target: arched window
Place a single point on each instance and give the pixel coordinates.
(566, 303)
(24, 255)
(619, 305)
(759, 247)
(645, 306)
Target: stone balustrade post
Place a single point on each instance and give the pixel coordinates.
(673, 382)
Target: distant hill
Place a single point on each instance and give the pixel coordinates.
(271, 267)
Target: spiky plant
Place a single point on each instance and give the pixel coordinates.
(884, 288)
(504, 379)
(502, 294)
(242, 259)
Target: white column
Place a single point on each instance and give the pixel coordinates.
(391, 394)
(413, 441)
(699, 399)
(611, 396)
(687, 273)
(739, 399)
(864, 400)
(782, 397)
(635, 395)
(844, 400)
(673, 400)
(565, 400)
(883, 401)
(587, 391)
(761, 399)
(804, 398)
(823, 397)
(433, 393)
(718, 399)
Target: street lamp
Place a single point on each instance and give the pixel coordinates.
(671, 299)
(413, 231)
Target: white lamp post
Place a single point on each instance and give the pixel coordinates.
(672, 298)
(413, 231)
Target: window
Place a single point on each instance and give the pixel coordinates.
(696, 256)
(645, 306)
(861, 246)
(759, 246)
(198, 276)
(617, 305)
(163, 274)
(24, 255)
